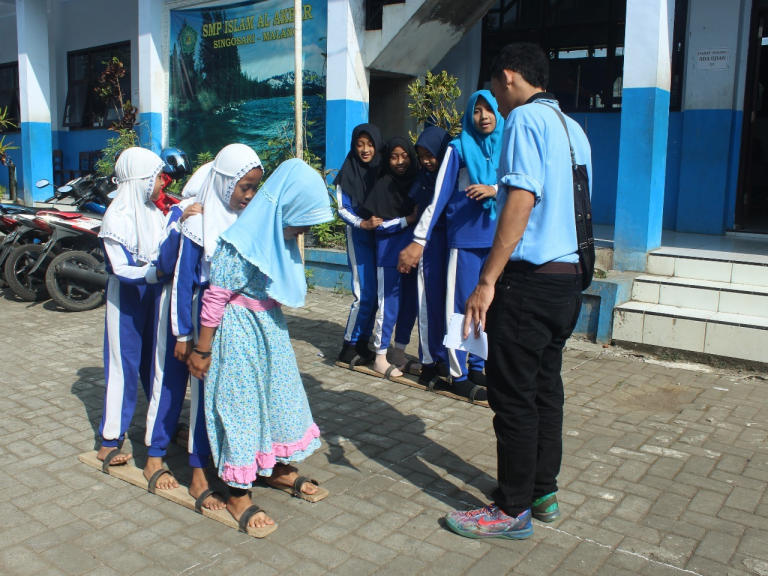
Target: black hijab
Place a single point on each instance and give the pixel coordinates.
(389, 198)
(357, 177)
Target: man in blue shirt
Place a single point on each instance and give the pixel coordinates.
(530, 294)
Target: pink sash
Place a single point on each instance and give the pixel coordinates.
(216, 299)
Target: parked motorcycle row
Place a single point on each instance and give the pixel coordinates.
(52, 253)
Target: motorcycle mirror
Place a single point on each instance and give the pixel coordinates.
(65, 189)
(42, 183)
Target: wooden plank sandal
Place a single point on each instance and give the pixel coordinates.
(180, 495)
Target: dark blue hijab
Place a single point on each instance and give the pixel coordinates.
(435, 140)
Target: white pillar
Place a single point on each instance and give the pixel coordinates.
(153, 100)
(346, 79)
(35, 98)
(644, 131)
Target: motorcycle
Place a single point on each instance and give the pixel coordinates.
(28, 267)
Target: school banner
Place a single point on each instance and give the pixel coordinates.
(232, 74)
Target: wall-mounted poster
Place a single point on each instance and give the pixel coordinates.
(232, 75)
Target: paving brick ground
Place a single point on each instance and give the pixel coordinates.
(664, 472)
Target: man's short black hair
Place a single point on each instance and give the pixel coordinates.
(525, 58)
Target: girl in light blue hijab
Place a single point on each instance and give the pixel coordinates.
(256, 409)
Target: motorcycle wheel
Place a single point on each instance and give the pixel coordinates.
(27, 287)
(71, 294)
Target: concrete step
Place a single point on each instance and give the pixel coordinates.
(715, 266)
(739, 336)
(705, 295)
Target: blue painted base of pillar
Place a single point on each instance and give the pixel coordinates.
(642, 168)
(709, 171)
(150, 130)
(341, 118)
(329, 268)
(37, 153)
(596, 317)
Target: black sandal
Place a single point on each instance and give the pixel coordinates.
(246, 516)
(200, 499)
(111, 456)
(152, 484)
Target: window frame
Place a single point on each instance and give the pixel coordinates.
(15, 100)
(495, 36)
(89, 106)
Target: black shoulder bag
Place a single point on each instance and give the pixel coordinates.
(583, 210)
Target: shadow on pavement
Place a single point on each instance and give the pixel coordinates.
(393, 439)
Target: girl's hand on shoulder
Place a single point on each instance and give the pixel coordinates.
(198, 366)
(480, 191)
(191, 210)
(182, 350)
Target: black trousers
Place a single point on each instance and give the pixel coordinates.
(531, 317)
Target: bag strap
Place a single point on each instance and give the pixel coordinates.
(568, 134)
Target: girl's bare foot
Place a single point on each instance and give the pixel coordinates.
(237, 505)
(285, 475)
(166, 481)
(381, 364)
(399, 359)
(199, 485)
(117, 460)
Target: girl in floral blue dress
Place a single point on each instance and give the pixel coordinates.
(256, 409)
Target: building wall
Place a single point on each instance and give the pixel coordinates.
(713, 102)
(107, 22)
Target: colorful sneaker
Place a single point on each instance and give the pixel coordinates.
(546, 508)
(490, 522)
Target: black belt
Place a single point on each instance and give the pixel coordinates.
(546, 268)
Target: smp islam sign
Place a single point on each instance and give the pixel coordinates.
(269, 27)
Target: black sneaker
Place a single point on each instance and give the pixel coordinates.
(347, 353)
(477, 377)
(469, 390)
(546, 508)
(366, 354)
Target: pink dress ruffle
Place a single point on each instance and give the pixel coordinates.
(267, 460)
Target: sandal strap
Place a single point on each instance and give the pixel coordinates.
(299, 482)
(433, 382)
(246, 516)
(200, 499)
(152, 484)
(409, 365)
(389, 371)
(354, 361)
(108, 459)
(474, 391)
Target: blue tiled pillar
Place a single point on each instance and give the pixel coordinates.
(644, 128)
(35, 95)
(346, 80)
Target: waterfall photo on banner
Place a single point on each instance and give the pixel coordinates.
(232, 74)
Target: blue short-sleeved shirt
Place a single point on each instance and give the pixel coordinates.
(535, 156)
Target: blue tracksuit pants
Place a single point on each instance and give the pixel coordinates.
(129, 346)
(464, 266)
(361, 255)
(431, 284)
(398, 307)
(169, 389)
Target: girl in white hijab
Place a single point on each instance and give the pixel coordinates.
(131, 233)
(223, 188)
